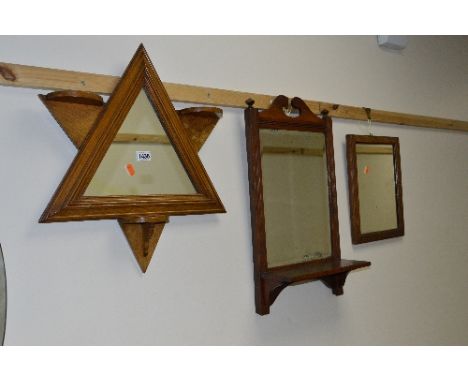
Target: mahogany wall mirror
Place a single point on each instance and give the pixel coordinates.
(293, 204)
(375, 189)
(135, 163)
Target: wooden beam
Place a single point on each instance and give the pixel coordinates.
(55, 79)
(45, 78)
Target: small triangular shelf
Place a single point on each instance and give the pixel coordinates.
(75, 111)
(143, 238)
(135, 164)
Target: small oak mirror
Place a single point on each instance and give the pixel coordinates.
(141, 159)
(293, 204)
(375, 190)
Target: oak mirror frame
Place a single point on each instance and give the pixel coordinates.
(141, 214)
(293, 202)
(375, 188)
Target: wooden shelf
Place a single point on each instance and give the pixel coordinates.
(314, 270)
(332, 272)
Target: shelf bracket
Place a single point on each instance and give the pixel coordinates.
(335, 282)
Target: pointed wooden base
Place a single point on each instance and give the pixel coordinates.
(143, 237)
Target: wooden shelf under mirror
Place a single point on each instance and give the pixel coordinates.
(137, 158)
(331, 272)
(293, 204)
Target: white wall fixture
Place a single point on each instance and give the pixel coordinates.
(393, 42)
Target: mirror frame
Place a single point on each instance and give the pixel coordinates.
(332, 271)
(141, 217)
(274, 118)
(69, 202)
(353, 187)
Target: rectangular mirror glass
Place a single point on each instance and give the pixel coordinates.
(295, 192)
(376, 182)
(375, 191)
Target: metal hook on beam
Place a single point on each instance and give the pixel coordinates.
(368, 111)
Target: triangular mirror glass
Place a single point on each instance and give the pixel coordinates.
(141, 159)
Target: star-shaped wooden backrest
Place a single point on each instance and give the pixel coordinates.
(108, 178)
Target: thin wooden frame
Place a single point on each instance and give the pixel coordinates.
(69, 203)
(353, 187)
(332, 271)
(3, 298)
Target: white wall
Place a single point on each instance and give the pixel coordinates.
(77, 283)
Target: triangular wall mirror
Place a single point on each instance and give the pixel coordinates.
(137, 164)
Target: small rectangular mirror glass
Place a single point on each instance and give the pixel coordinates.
(295, 192)
(374, 178)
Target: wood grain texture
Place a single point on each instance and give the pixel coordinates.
(199, 122)
(75, 118)
(93, 126)
(143, 238)
(257, 215)
(69, 203)
(313, 271)
(269, 282)
(353, 188)
(77, 112)
(57, 79)
(332, 272)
